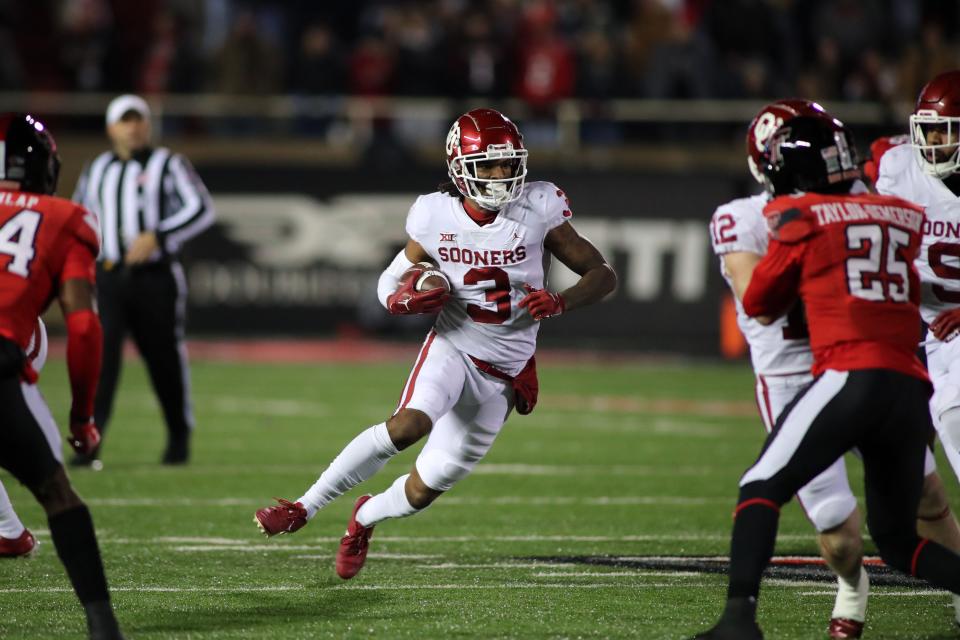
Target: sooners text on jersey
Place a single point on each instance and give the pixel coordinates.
(44, 241)
(898, 173)
(487, 267)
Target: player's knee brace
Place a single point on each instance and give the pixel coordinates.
(440, 470)
(830, 513)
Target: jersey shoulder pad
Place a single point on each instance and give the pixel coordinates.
(895, 158)
(789, 220)
(739, 225)
(743, 209)
(879, 151)
(548, 202)
(423, 210)
(85, 227)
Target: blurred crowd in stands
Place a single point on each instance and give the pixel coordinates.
(539, 50)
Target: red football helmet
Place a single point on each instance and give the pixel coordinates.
(485, 135)
(938, 113)
(769, 119)
(28, 153)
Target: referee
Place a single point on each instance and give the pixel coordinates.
(149, 201)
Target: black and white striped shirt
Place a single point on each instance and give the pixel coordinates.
(156, 190)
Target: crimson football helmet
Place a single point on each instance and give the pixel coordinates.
(485, 135)
(938, 110)
(769, 119)
(28, 153)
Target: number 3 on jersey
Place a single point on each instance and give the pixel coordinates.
(878, 271)
(499, 294)
(17, 237)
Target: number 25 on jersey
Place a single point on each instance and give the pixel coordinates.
(877, 270)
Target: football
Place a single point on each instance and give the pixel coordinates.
(428, 277)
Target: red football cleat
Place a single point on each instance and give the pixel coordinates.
(845, 628)
(353, 546)
(285, 517)
(21, 546)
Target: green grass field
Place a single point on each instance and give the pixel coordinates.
(620, 461)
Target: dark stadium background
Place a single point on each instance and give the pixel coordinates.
(315, 125)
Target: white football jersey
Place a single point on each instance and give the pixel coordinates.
(782, 347)
(487, 267)
(938, 263)
(939, 260)
(899, 174)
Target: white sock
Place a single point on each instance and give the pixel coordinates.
(950, 427)
(956, 608)
(392, 503)
(10, 525)
(364, 456)
(852, 598)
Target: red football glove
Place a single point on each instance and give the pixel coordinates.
(947, 325)
(84, 436)
(542, 303)
(407, 301)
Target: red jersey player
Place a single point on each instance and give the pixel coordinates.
(849, 258)
(47, 250)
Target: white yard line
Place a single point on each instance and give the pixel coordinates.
(381, 556)
(426, 539)
(159, 589)
(614, 574)
(577, 470)
(277, 407)
(497, 565)
(874, 593)
(449, 500)
(523, 585)
(233, 405)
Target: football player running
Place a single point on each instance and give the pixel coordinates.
(491, 234)
(923, 167)
(48, 248)
(849, 257)
(781, 358)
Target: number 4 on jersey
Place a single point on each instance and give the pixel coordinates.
(17, 237)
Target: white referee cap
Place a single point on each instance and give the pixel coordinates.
(127, 102)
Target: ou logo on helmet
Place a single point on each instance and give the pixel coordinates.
(766, 125)
(453, 138)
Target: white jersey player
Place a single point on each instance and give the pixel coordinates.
(781, 358)
(920, 167)
(15, 539)
(490, 234)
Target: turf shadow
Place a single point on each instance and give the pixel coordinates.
(259, 618)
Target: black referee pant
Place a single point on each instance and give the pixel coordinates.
(883, 413)
(149, 301)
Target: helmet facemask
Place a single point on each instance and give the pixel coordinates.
(490, 193)
(936, 158)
